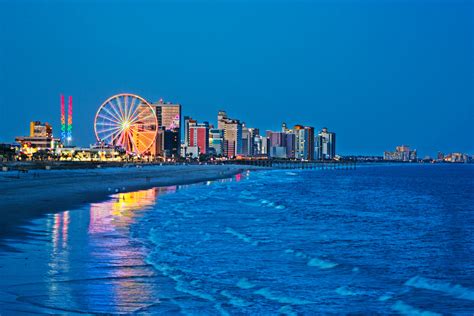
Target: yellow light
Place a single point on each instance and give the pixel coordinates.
(125, 125)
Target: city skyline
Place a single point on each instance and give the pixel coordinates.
(235, 157)
(337, 80)
(182, 138)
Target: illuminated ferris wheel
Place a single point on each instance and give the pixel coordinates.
(128, 121)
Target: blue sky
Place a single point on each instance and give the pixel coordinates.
(378, 73)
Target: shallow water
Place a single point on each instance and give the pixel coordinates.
(381, 239)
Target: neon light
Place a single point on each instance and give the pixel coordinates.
(63, 121)
(69, 121)
(65, 226)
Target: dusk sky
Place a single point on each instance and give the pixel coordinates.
(378, 73)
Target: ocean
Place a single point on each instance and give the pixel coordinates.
(381, 239)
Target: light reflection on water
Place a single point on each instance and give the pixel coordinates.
(120, 210)
(91, 264)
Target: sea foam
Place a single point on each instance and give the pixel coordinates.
(287, 310)
(345, 291)
(312, 262)
(245, 284)
(265, 292)
(457, 291)
(405, 309)
(322, 264)
(241, 236)
(234, 300)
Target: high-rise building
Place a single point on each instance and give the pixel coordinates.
(309, 143)
(196, 137)
(221, 117)
(457, 158)
(38, 129)
(304, 139)
(260, 145)
(41, 136)
(265, 145)
(300, 144)
(401, 153)
(326, 145)
(253, 133)
(199, 137)
(158, 147)
(168, 114)
(187, 121)
(290, 144)
(246, 141)
(216, 141)
(171, 143)
(278, 142)
(249, 147)
(233, 138)
(232, 134)
(190, 142)
(169, 118)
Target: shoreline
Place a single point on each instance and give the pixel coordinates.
(28, 196)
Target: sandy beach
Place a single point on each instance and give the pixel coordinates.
(25, 196)
(272, 242)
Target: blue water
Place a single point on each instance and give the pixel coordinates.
(380, 239)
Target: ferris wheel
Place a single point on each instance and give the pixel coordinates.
(128, 121)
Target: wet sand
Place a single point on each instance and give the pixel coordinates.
(26, 196)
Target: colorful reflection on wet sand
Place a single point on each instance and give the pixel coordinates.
(90, 264)
(121, 209)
